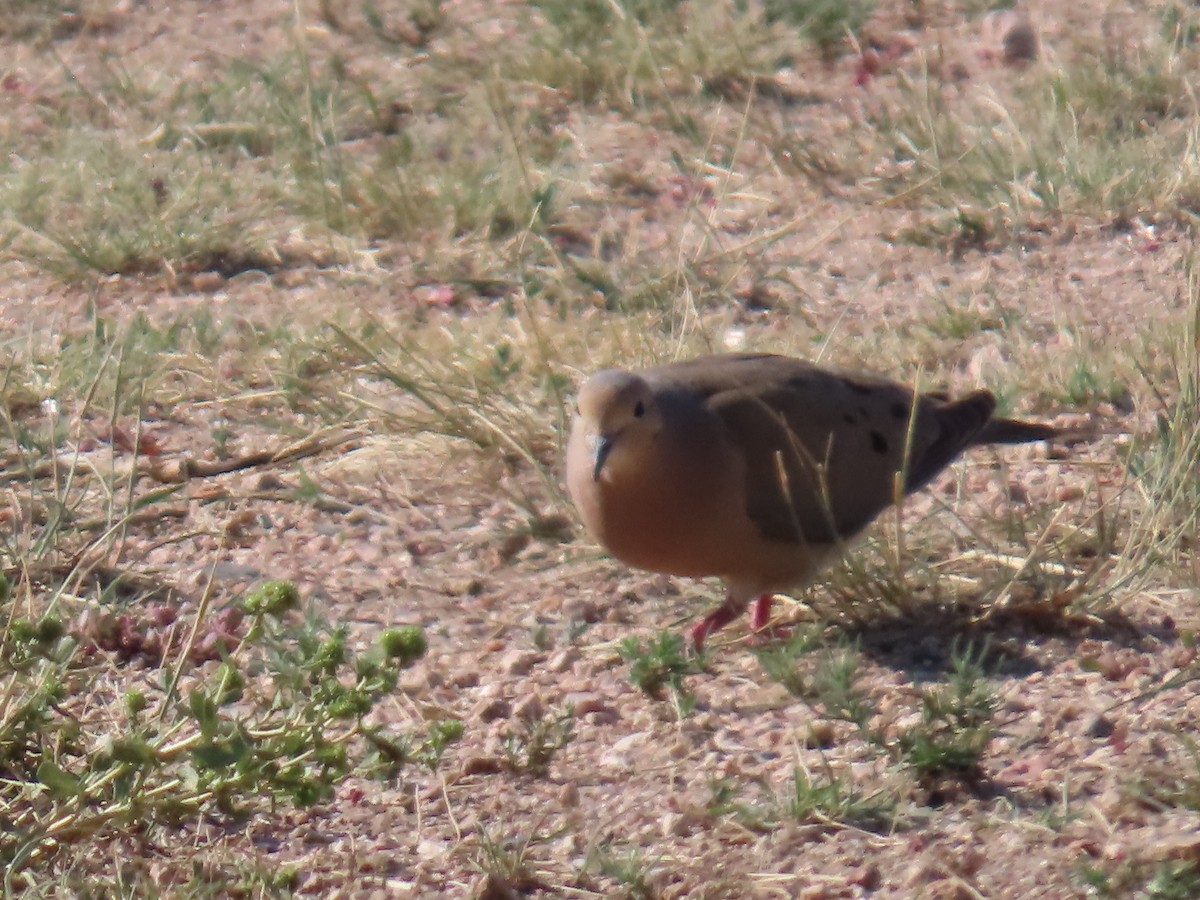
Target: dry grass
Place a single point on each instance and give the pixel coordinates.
(314, 315)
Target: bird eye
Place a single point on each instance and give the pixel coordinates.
(639, 410)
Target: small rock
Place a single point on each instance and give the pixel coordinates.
(569, 795)
(207, 282)
(481, 765)
(1008, 34)
(968, 862)
(673, 824)
(629, 742)
(464, 678)
(431, 849)
(269, 481)
(820, 734)
(1070, 492)
(1097, 725)
(945, 889)
(379, 862)
(488, 710)
(418, 685)
(493, 887)
(606, 716)
(1116, 665)
(520, 662)
(616, 615)
(584, 703)
(1180, 657)
(489, 691)
(1020, 42)
(867, 877)
(562, 660)
(512, 545)
(1017, 492)
(1181, 844)
(528, 708)
(579, 609)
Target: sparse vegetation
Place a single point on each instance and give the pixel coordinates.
(662, 663)
(533, 744)
(949, 738)
(1174, 880)
(827, 799)
(278, 714)
(956, 723)
(287, 350)
(630, 870)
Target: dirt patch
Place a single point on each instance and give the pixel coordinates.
(680, 215)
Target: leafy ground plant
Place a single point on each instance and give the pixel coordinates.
(1174, 880)
(662, 663)
(532, 744)
(955, 723)
(825, 798)
(278, 715)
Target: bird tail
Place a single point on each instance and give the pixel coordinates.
(1014, 431)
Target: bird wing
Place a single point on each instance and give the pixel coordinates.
(821, 448)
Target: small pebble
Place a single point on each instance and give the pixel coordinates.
(489, 710)
(520, 662)
(577, 609)
(1097, 725)
(463, 678)
(528, 707)
(569, 795)
(562, 660)
(481, 765)
(584, 703)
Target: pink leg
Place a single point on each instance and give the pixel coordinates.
(760, 618)
(761, 614)
(714, 621)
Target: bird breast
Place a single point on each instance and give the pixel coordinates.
(665, 510)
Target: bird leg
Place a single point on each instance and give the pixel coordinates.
(760, 619)
(760, 615)
(716, 620)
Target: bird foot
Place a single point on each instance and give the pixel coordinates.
(714, 621)
(760, 623)
(760, 617)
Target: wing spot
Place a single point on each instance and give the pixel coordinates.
(899, 410)
(878, 442)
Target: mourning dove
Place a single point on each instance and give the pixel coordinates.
(757, 468)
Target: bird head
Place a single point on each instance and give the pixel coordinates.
(618, 411)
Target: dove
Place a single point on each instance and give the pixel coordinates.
(756, 468)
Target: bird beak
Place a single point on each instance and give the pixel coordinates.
(602, 445)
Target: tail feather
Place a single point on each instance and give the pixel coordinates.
(1014, 431)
